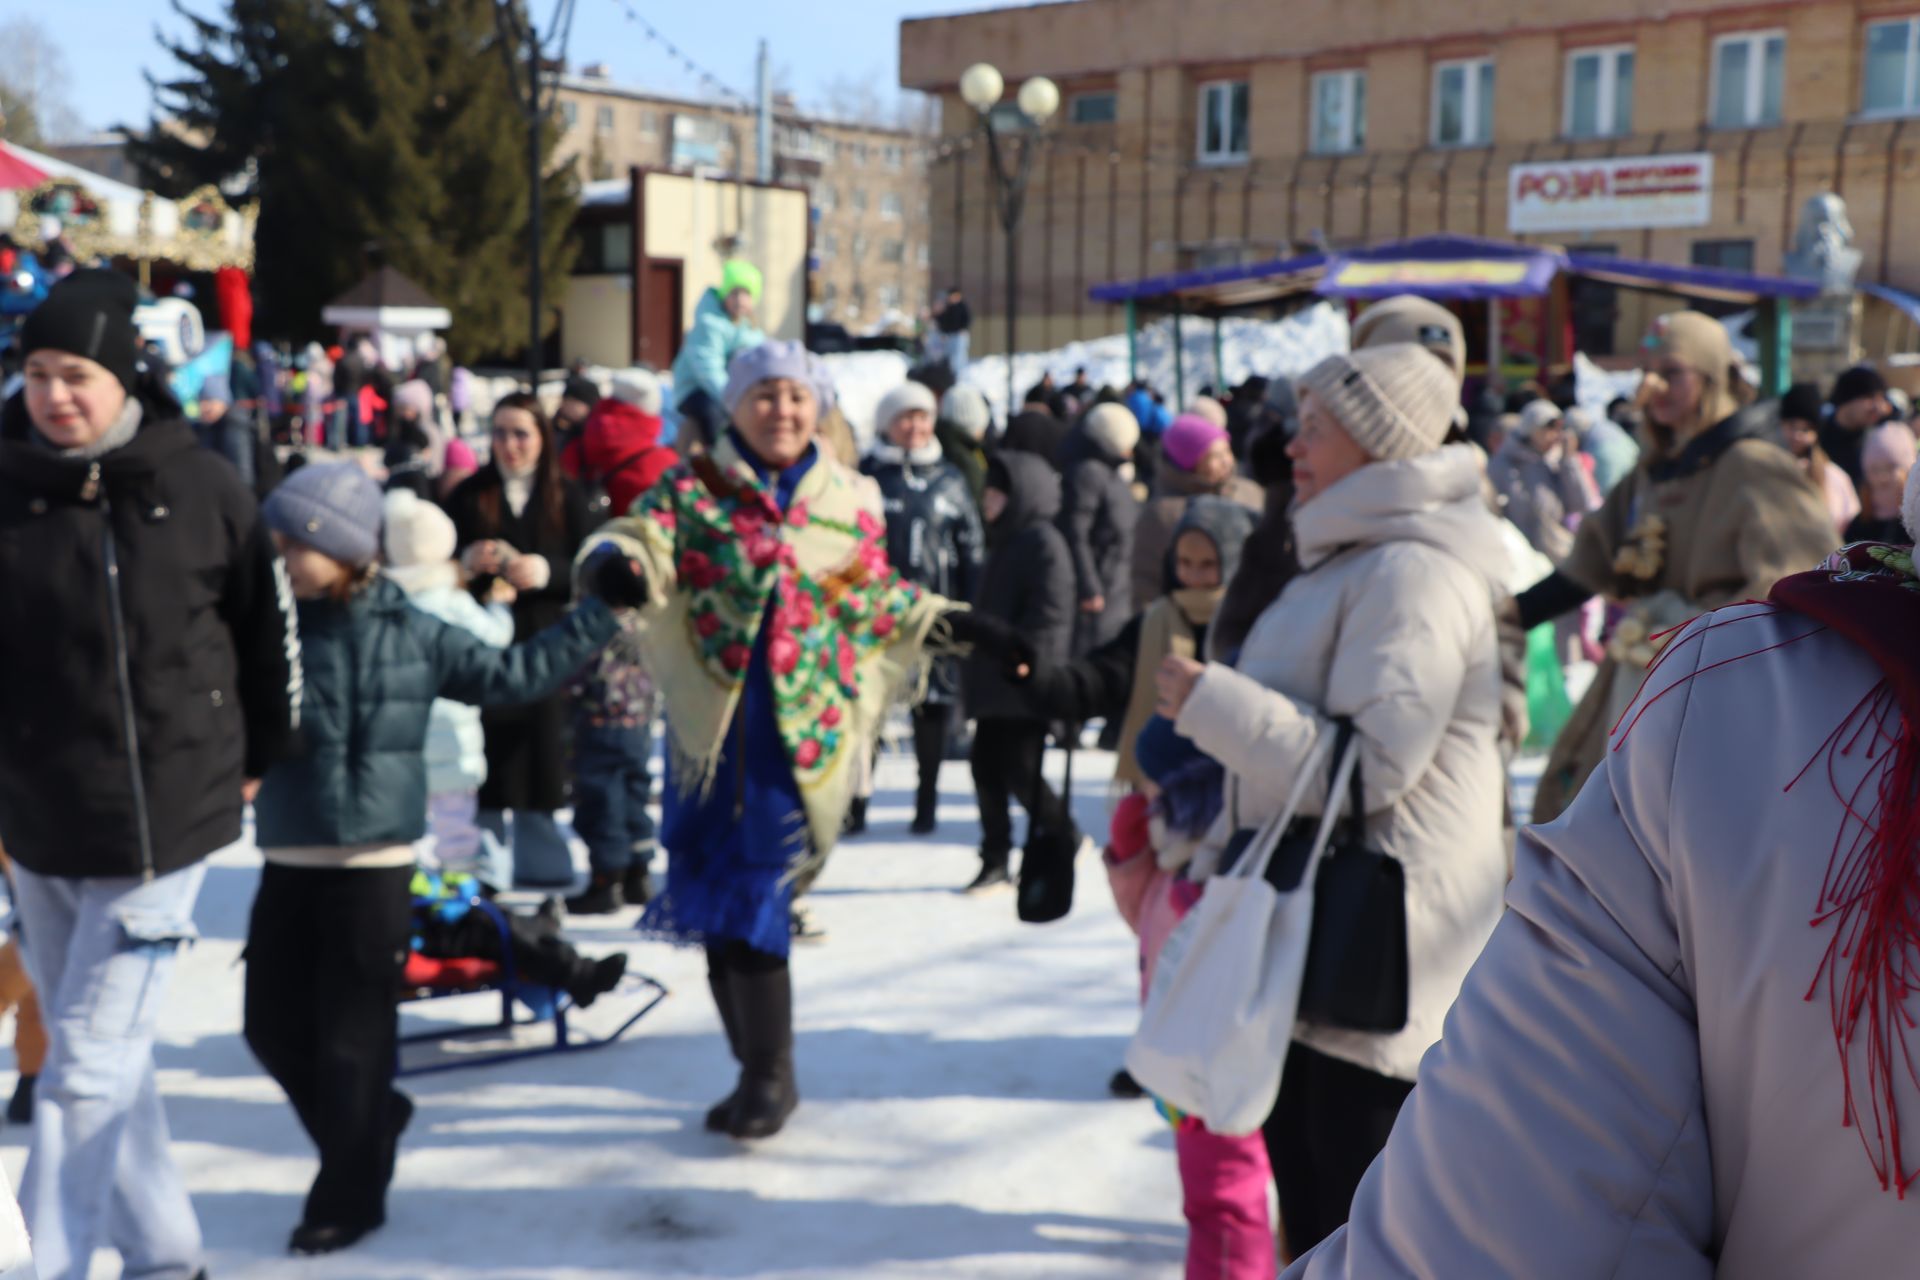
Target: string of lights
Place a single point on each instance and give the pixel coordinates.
(713, 83)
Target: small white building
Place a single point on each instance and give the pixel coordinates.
(392, 310)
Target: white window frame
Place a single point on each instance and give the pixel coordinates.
(827, 247)
(859, 199)
(569, 113)
(603, 118)
(892, 207)
(1351, 80)
(649, 123)
(1475, 116)
(893, 253)
(1201, 154)
(1911, 104)
(1756, 89)
(826, 198)
(1605, 109)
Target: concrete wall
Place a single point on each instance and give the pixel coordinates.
(692, 219)
(598, 326)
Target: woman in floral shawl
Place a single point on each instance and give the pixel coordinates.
(779, 635)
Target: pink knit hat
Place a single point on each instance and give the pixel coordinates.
(460, 457)
(1188, 440)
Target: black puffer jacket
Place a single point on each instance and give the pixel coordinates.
(1027, 582)
(148, 643)
(374, 666)
(1098, 515)
(933, 535)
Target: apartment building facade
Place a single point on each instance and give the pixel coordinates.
(866, 186)
(1197, 133)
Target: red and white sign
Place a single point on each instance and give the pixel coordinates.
(1620, 193)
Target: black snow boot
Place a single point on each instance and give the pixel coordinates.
(720, 983)
(763, 1001)
(637, 885)
(20, 1106)
(993, 871)
(603, 896)
(855, 823)
(594, 978)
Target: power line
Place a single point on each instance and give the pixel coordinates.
(713, 82)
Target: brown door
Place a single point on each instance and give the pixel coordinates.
(660, 303)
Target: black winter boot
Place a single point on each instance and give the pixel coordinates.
(594, 978)
(637, 885)
(20, 1106)
(603, 896)
(720, 983)
(763, 1001)
(993, 871)
(855, 823)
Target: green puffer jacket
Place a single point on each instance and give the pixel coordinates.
(373, 668)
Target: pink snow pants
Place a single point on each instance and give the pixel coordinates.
(1224, 1182)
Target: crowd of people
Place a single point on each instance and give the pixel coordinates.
(409, 660)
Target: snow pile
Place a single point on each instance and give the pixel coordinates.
(1247, 347)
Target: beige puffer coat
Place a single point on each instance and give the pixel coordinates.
(1391, 624)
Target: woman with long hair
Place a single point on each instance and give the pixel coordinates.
(521, 521)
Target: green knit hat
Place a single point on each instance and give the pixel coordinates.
(738, 273)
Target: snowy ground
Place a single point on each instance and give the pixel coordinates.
(955, 1123)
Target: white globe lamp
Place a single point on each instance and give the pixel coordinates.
(981, 86)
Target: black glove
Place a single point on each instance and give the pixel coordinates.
(614, 578)
(994, 638)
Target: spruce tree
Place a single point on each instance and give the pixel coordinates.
(412, 150)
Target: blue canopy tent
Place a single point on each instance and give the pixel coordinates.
(1451, 268)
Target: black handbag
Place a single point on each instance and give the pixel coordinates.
(1357, 964)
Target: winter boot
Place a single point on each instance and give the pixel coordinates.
(720, 983)
(594, 978)
(637, 885)
(20, 1107)
(763, 1002)
(993, 872)
(855, 823)
(603, 896)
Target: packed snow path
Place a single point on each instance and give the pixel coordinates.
(955, 1123)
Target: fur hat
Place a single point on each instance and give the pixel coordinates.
(1210, 409)
(1189, 438)
(639, 388)
(1420, 321)
(1396, 401)
(417, 532)
(1114, 428)
(967, 409)
(902, 400)
(333, 507)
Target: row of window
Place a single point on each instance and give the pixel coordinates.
(892, 206)
(892, 252)
(887, 296)
(1747, 87)
(858, 154)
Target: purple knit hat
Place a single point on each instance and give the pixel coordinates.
(1188, 440)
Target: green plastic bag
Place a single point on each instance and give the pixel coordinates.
(1548, 707)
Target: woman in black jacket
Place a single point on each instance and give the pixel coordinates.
(1098, 514)
(521, 521)
(152, 673)
(934, 540)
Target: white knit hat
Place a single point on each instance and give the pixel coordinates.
(1114, 428)
(1396, 401)
(1210, 409)
(417, 532)
(1537, 415)
(967, 409)
(639, 388)
(903, 399)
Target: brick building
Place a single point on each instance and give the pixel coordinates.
(866, 184)
(1213, 132)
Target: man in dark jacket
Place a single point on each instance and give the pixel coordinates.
(223, 430)
(1036, 431)
(1098, 515)
(1028, 584)
(955, 323)
(153, 672)
(933, 539)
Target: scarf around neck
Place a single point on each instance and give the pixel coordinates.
(116, 436)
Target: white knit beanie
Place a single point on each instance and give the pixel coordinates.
(639, 388)
(1396, 401)
(903, 399)
(967, 409)
(1114, 428)
(1210, 409)
(417, 532)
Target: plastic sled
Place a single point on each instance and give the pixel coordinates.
(522, 1004)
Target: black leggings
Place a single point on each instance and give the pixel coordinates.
(1331, 1119)
(1006, 765)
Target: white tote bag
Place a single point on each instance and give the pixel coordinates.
(1220, 1009)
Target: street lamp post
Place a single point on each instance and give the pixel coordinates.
(981, 87)
(535, 95)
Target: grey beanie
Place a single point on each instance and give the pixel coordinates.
(967, 409)
(1396, 401)
(333, 507)
(769, 360)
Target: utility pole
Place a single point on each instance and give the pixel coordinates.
(519, 35)
(763, 132)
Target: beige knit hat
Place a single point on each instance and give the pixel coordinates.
(1114, 428)
(1421, 321)
(1210, 409)
(1395, 401)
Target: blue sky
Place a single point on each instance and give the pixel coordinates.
(109, 43)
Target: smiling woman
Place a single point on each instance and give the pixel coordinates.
(131, 741)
